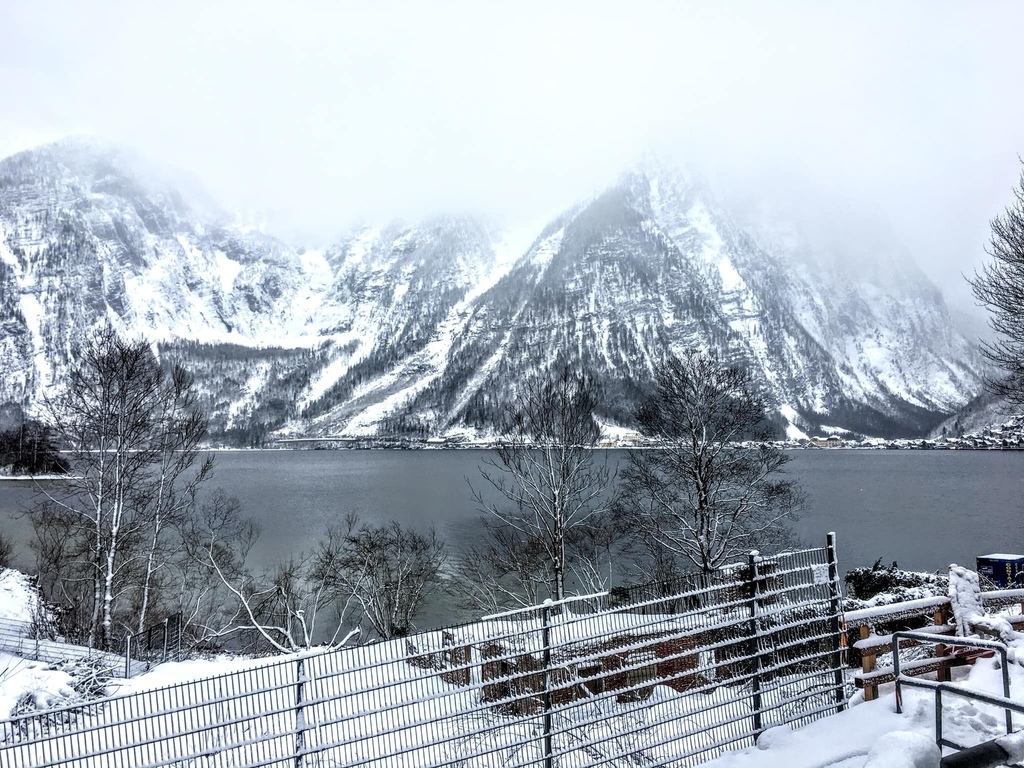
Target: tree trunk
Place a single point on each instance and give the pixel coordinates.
(150, 567)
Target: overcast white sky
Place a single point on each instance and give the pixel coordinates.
(318, 114)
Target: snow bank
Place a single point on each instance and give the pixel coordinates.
(32, 683)
(904, 749)
(843, 739)
(872, 735)
(19, 597)
(174, 672)
(1014, 746)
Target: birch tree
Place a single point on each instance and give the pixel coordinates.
(132, 431)
(698, 495)
(545, 495)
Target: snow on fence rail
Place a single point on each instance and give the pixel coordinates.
(676, 672)
(864, 621)
(20, 638)
(891, 611)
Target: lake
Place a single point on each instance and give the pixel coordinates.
(924, 509)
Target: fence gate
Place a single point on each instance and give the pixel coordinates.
(665, 674)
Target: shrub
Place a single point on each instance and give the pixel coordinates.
(890, 581)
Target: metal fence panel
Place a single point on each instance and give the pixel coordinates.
(661, 674)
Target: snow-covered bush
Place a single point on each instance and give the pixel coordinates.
(883, 585)
(887, 585)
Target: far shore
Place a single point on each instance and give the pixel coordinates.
(38, 478)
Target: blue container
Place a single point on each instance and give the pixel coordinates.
(1004, 570)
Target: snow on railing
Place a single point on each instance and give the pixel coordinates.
(681, 676)
(937, 609)
(879, 613)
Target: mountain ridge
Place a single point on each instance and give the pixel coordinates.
(426, 328)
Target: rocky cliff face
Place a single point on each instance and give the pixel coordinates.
(427, 328)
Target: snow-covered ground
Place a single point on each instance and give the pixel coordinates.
(844, 740)
(873, 735)
(847, 739)
(867, 735)
(34, 684)
(18, 596)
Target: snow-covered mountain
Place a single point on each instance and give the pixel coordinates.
(427, 328)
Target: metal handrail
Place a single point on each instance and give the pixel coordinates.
(1003, 701)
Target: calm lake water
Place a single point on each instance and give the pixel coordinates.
(924, 509)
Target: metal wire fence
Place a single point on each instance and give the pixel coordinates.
(661, 675)
(155, 644)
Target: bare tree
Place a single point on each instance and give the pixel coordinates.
(698, 495)
(215, 544)
(1000, 287)
(382, 574)
(550, 494)
(388, 570)
(286, 608)
(65, 561)
(170, 496)
(132, 429)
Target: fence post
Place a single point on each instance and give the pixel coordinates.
(127, 655)
(164, 658)
(835, 596)
(546, 642)
(300, 713)
(755, 641)
(943, 674)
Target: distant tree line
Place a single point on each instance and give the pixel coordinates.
(27, 446)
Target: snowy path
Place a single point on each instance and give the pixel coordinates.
(844, 740)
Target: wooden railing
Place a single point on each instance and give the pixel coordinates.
(945, 656)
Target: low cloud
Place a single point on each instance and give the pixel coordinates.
(332, 113)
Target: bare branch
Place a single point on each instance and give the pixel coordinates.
(700, 496)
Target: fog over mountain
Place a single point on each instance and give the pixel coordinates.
(424, 328)
(312, 118)
(372, 196)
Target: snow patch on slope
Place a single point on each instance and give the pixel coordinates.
(545, 251)
(34, 314)
(793, 432)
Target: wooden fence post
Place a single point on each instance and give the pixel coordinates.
(939, 616)
(867, 664)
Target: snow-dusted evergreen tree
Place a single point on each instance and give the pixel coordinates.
(1000, 287)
